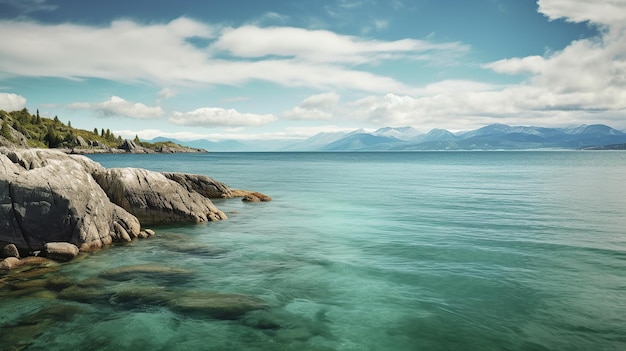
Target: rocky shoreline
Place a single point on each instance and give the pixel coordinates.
(56, 205)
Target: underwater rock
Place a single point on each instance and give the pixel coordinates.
(216, 305)
(147, 271)
(9, 263)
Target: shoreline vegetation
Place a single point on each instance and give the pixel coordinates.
(56, 203)
(22, 129)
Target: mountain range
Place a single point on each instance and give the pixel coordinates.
(491, 137)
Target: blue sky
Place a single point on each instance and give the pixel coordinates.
(247, 69)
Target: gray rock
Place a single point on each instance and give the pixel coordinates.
(60, 251)
(203, 185)
(48, 196)
(155, 199)
(80, 141)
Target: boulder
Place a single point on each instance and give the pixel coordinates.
(203, 185)
(251, 196)
(60, 251)
(48, 196)
(154, 198)
(10, 250)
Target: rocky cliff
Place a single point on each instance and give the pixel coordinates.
(48, 196)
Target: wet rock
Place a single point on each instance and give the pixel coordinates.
(10, 250)
(216, 305)
(150, 232)
(251, 196)
(60, 251)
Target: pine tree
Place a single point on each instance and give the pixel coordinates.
(95, 131)
(5, 131)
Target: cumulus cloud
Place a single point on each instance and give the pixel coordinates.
(161, 52)
(116, 106)
(316, 107)
(601, 12)
(11, 102)
(219, 117)
(589, 75)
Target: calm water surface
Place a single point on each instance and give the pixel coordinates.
(359, 251)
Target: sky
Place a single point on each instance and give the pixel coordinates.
(265, 70)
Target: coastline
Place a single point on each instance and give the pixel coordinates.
(58, 204)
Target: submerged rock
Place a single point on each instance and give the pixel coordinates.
(216, 305)
(147, 271)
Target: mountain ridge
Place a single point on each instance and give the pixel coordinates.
(489, 137)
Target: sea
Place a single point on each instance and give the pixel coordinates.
(486, 250)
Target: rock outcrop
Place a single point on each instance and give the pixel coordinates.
(201, 184)
(155, 199)
(47, 196)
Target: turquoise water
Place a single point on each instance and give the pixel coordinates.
(363, 251)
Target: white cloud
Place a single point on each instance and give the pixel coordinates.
(11, 102)
(116, 106)
(166, 93)
(132, 52)
(321, 45)
(219, 117)
(601, 12)
(316, 107)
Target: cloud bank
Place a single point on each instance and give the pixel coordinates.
(118, 107)
(163, 53)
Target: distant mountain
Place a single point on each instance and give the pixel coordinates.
(315, 142)
(491, 137)
(362, 142)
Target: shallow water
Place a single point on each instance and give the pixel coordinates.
(357, 251)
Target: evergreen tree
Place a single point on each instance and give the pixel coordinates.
(5, 131)
(69, 124)
(95, 131)
(136, 140)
